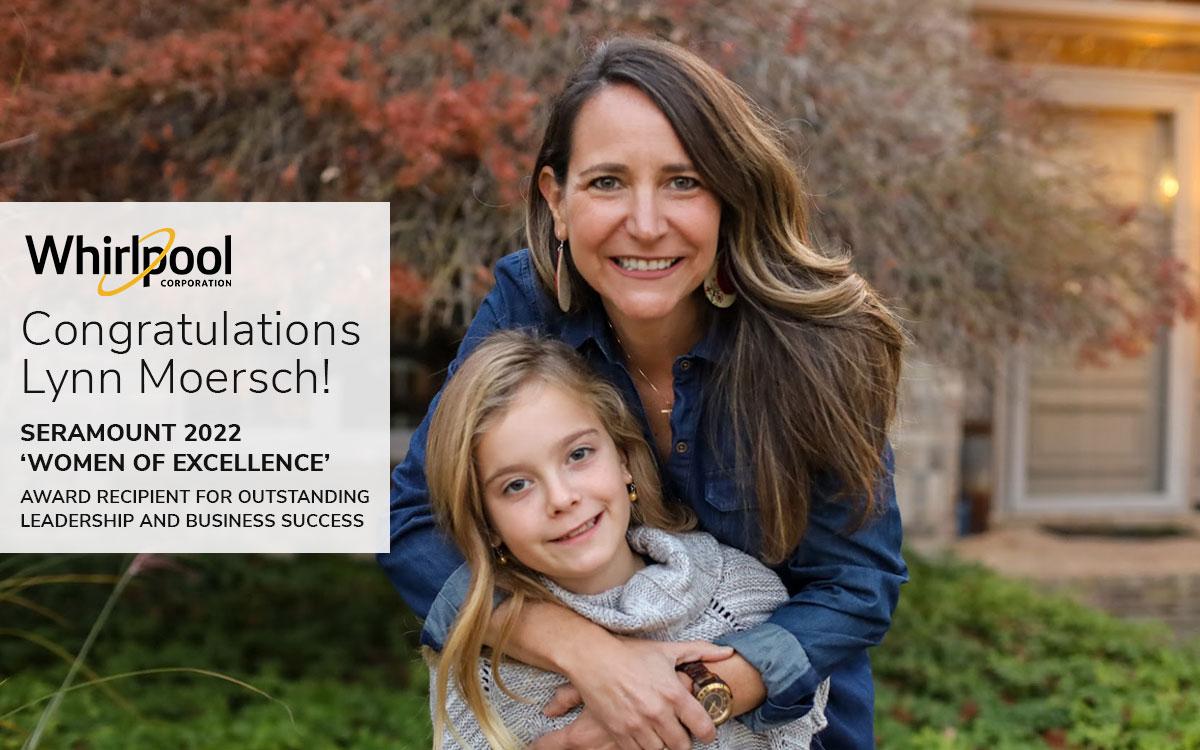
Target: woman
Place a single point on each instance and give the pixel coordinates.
(668, 245)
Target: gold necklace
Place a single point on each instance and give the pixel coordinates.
(645, 377)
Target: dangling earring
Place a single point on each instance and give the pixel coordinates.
(717, 287)
(562, 282)
(631, 488)
(500, 556)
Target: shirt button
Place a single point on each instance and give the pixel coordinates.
(685, 365)
(681, 446)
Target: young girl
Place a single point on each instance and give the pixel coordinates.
(542, 478)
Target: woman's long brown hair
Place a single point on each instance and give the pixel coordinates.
(808, 381)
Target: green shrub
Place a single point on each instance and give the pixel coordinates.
(978, 661)
(973, 661)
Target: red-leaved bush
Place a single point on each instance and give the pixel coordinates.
(933, 164)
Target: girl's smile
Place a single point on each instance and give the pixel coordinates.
(581, 532)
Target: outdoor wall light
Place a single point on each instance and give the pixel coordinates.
(1168, 186)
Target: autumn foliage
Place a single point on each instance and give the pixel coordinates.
(919, 151)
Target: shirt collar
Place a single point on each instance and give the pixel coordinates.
(709, 347)
(591, 324)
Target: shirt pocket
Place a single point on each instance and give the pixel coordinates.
(727, 512)
(722, 493)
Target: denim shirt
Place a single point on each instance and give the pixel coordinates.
(843, 586)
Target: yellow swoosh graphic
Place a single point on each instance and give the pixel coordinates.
(170, 241)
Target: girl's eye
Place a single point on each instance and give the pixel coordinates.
(515, 486)
(604, 183)
(580, 453)
(684, 183)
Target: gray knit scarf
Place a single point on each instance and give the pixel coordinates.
(696, 589)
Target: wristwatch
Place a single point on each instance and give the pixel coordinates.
(712, 692)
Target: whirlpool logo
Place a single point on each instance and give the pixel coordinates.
(142, 261)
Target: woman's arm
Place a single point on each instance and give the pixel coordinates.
(745, 683)
(844, 589)
(632, 694)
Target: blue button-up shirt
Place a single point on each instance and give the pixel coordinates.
(844, 586)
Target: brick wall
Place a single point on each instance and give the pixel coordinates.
(1173, 599)
(928, 444)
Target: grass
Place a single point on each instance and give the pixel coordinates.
(326, 636)
(972, 661)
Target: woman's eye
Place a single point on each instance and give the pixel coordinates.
(515, 486)
(579, 453)
(604, 183)
(684, 183)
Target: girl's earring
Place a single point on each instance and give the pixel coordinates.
(500, 556)
(717, 287)
(562, 281)
(631, 488)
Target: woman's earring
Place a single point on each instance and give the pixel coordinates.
(631, 488)
(717, 287)
(562, 281)
(500, 556)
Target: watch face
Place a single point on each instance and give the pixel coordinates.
(717, 701)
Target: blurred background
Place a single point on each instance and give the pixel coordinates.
(1019, 178)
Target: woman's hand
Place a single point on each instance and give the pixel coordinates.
(635, 700)
(585, 732)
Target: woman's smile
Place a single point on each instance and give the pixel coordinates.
(646, 268)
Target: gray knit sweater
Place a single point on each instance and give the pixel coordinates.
(697, 590)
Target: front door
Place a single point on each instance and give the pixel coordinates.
(1097, 440)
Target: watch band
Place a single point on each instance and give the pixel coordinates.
(697, 671)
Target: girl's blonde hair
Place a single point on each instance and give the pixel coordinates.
(478, 395)
(807, 385)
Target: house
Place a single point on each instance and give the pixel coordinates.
(1052, 439)
(1089, 479)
